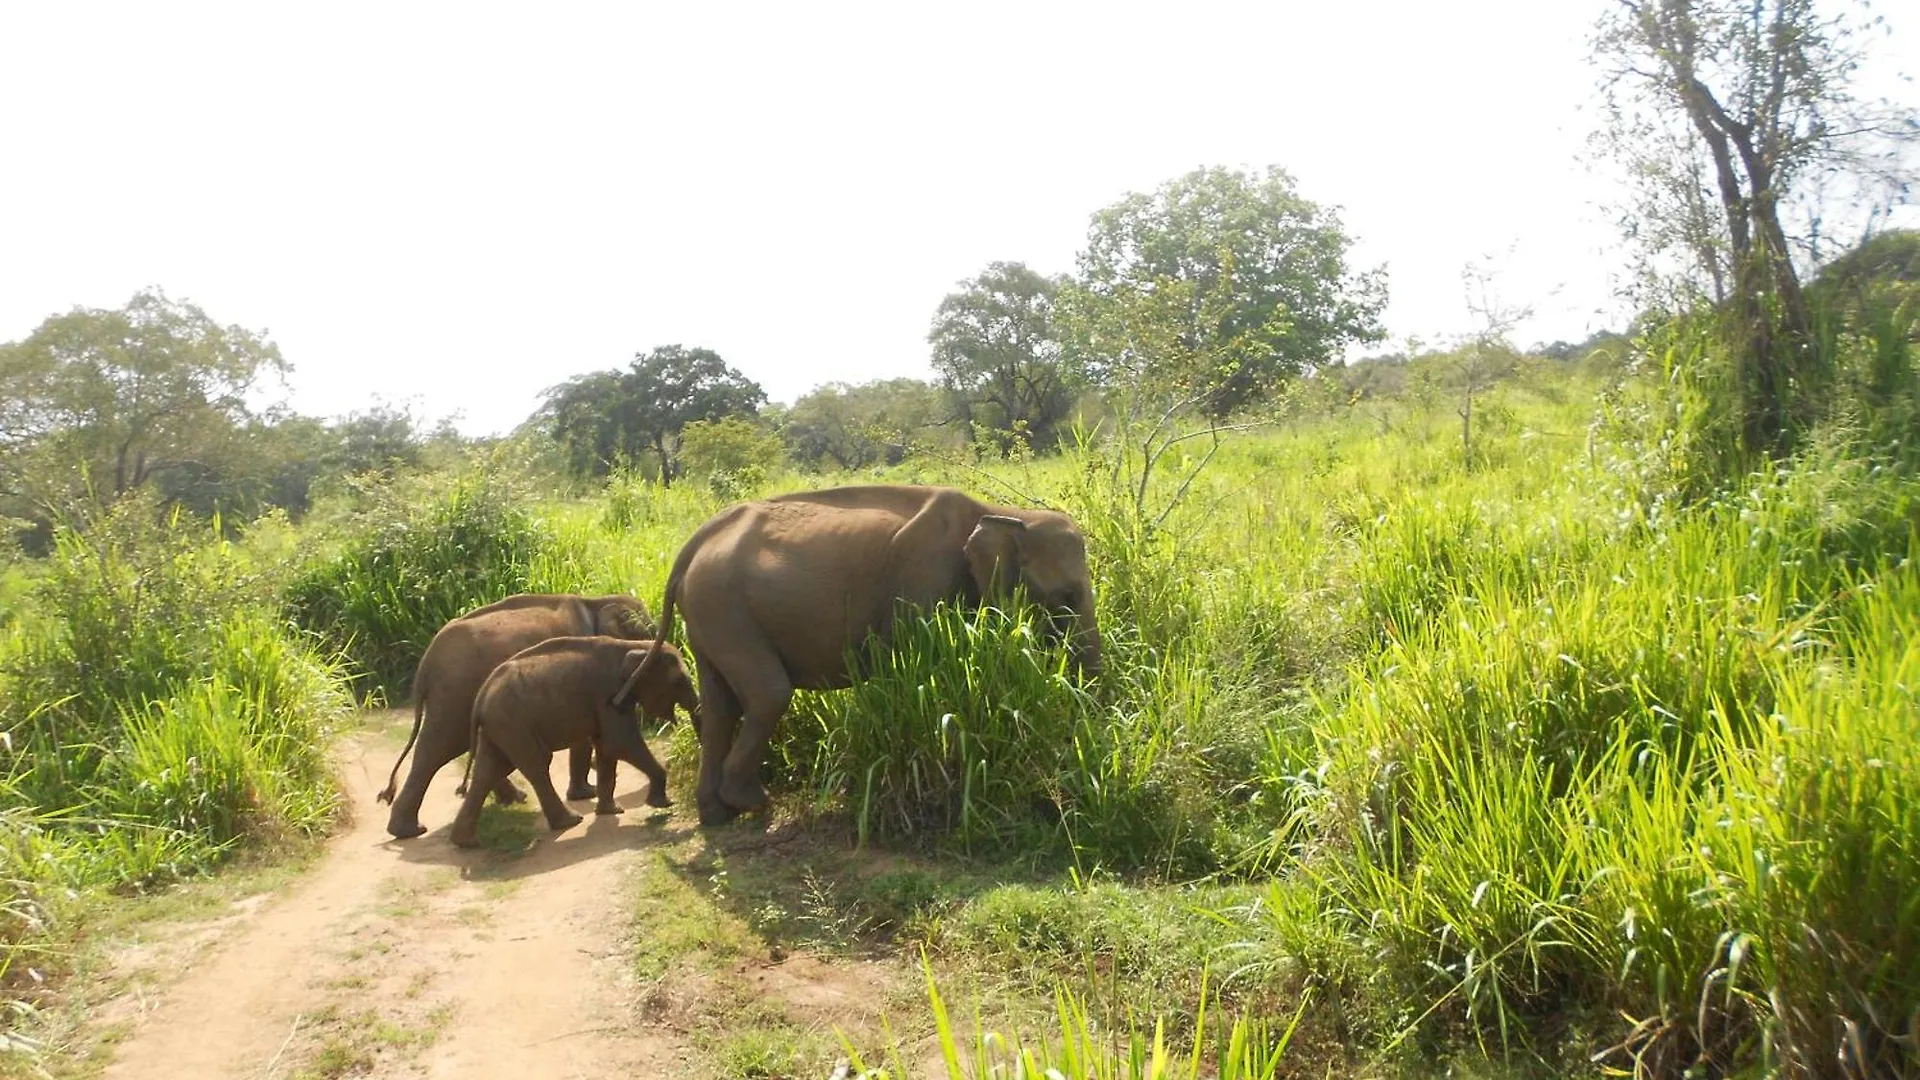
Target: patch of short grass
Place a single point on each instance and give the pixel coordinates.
(679, 921)
(769, 1051)
(350, 1042)
(510, 830)
(336, 1058)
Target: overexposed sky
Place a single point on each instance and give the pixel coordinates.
(456, 205)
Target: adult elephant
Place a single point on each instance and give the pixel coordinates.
(458, 661)
(775, 592)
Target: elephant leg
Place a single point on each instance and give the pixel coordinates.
(578, 756)
(489, 765)
(719, 712)
(764, 691)
(504, 792)
(430, 754)
(603, 769)
(620, 739)
(558, 816)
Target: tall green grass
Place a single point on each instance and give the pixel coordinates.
(154, 718)
(1247, 1048)
(154, 713)
(414, 556)
(1585, 774)
(971, 727)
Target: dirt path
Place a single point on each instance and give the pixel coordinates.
(414, 959)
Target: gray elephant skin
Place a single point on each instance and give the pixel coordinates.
(459, 659)
(560, 693)
(776, 591)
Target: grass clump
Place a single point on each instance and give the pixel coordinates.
(1643, 774)
(416, 555)
(155, 721)
(970, 727)
(1081, 1048)
(155, 715)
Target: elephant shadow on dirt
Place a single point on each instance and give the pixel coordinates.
(516, 843)
(802, 882)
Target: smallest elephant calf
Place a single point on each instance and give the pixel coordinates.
(558, 694)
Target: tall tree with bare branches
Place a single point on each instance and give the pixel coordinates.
(1737, 118)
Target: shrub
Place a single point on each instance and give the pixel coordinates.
(416, 557)
(155, 714)
(968, 726)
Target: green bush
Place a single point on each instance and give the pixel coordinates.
(969, 727)
(154, 714)
(416, 556)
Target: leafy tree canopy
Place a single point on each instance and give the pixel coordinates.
(1292, 303)
(999, 355)
(604, 417)
(126, 394)
(855, 426)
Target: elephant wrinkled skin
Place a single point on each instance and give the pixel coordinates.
(458, 661)
(775, 592)
(560, 693)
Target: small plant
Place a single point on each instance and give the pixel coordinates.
(1246, 1049)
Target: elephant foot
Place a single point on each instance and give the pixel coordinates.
(508, 795)
(606, 808)
(405, 830)
(577, 792)
(564, 822)
(657, 796)
(466, 839)
(743, 797)
(714, 812)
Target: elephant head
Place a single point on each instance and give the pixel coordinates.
(1046, 553)
(665, 684)
(622, 617)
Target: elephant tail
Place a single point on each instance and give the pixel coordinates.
(466, 774)
(393, 778)
(473, 750)
(665, 632)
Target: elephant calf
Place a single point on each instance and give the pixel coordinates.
(459, 659)
(559, 694)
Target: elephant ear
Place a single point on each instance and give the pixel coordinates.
(993, 553)
(629, 667)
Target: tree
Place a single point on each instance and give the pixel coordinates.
(381, 438)
(732, 445)
(1485, 357)
(1163, 348)
(999, 357)
(605, 417)
(855, 426)
(1730, 115)
(1293, 303)
(125, 394)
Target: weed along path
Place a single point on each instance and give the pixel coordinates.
(411, 959)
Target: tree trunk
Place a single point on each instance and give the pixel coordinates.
(1466, 428)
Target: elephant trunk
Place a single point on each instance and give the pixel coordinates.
(1086, 648)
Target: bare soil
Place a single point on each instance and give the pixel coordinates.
(415, 958)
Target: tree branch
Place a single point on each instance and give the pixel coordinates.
(977, 471)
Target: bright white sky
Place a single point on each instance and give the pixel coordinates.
(456, 205)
